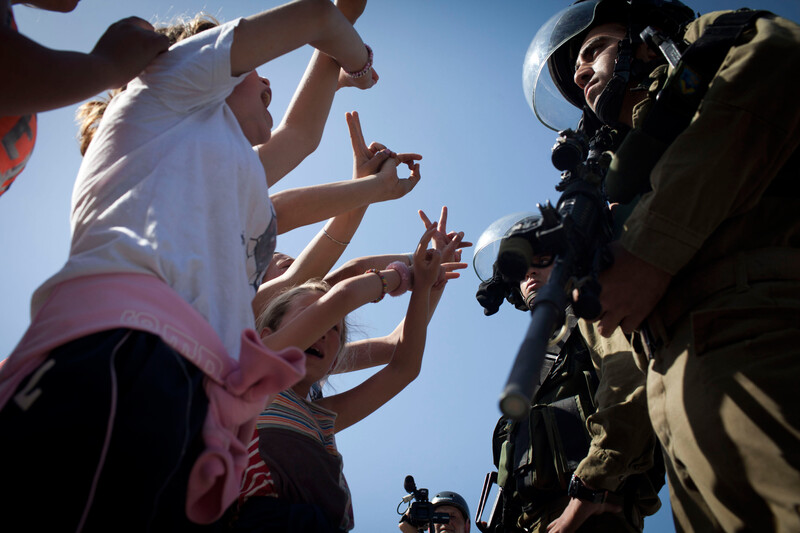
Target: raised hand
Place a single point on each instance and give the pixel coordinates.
(364, 82)
(127, 47)
(426, 262)
(441, 238)
(393, 186)
(447, 267)
(367, 160)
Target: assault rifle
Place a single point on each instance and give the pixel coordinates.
(576, 233)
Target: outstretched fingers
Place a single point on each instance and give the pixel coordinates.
(422, 246)
(356, 134)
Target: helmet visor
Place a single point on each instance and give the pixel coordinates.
(488, 244)
(546, 96)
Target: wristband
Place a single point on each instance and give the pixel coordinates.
(383, 281)
(405, 277)
(363, 72)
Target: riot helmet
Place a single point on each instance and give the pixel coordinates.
(549, 67)
(454, 499)
(494, 286)
(488, 244)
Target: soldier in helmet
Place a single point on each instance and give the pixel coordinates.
(583, 460)
(707, 265)
(446, 502)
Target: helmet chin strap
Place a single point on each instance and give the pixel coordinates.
(529, 299)
(628, 70)
(609, 103)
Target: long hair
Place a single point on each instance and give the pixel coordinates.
(272, 315)
(89, 114)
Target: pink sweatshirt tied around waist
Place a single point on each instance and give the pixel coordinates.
(237, 390)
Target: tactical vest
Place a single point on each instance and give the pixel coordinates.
(535, 457)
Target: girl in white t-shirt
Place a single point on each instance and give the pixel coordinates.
(134, 391)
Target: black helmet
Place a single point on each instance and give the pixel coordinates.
(454, 499)
(558, 41)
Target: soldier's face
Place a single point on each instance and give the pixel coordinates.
(595, 64)
(534, 279)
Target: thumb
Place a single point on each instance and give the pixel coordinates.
(375, 163)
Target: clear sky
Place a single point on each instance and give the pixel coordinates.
(450, 88)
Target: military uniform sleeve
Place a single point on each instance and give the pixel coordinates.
(622, 437)
(744, 131)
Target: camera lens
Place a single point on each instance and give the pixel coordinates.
(514, 258)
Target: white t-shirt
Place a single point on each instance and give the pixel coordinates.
(171, 187)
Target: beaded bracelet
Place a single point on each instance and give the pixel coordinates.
(337, 241)
(405, 277)
(383, 281)
(363, 72)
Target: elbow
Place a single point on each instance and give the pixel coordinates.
(409, 373)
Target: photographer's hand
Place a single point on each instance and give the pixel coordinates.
(405, 526)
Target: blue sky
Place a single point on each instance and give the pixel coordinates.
(450, 88)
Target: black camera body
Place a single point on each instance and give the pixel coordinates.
(421, 512)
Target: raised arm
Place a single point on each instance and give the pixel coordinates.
(356, 266)
(324, 250)
(319, 23)
(358, 402)
(307, 205)
(355, 404)
(32, 71)
(322, 253)
(270, 34)
(316, 319)
(368, 353)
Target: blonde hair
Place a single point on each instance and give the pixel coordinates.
(272, 316)
(89, 114)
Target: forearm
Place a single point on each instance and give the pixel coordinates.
(263, 37)
(331, 307)
(46, 79)
(368, 353)
(314, 262)
(300, 131)
(306, 205)
(622, 438)
(317, 259)
(361, 264)
(407, 359)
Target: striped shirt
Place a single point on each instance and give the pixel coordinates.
(289, 413)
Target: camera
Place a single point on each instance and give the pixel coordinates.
(421, 512)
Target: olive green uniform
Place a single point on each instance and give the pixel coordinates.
(622, 441)
(724, 218)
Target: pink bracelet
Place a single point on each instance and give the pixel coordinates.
(405, 277)
(383, 282)
(363, 72)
